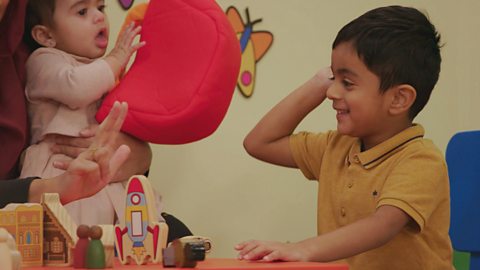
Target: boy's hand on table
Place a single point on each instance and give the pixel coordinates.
(270, 251)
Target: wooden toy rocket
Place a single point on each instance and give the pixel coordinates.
(140, 236)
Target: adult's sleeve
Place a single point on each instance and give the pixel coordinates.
(15, 190)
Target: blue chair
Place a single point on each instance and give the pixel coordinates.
(463, 160)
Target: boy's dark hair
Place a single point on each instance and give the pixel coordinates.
(400, 46)
(38, 12)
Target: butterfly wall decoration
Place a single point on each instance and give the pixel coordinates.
(254, 45)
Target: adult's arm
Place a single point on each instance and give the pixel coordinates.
(138, 162)
(92, 169)
(86, 175)
(14, 190)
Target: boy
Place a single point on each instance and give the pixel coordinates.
(383, 195)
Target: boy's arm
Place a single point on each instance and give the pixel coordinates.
(363, 235)
(269, 139)
(358, 237)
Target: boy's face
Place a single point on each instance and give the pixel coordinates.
(362, 110)
(80, 27)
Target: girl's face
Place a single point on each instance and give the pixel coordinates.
(80, 27)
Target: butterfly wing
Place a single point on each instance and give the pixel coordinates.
(262, 40)
(246, 77)
(235, 19)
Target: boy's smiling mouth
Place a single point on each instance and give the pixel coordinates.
(341, 111)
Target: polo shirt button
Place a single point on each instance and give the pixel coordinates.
(342, 212)
(350, 185)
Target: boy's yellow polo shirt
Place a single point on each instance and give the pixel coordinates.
(406, 171)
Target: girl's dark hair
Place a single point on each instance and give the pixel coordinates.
(38, 12)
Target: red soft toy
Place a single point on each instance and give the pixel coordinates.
(182, 81)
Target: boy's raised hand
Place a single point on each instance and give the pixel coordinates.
(124, 48)
(269, 139)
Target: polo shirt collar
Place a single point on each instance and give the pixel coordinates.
(377, 154)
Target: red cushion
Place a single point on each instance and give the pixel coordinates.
(182, 81)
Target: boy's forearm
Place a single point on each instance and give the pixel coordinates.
(273, 130)
(363, 235)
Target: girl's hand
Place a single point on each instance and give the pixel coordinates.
(124, 48)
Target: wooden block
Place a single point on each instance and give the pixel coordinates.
(184, 253)
(25, 223)
(10, 258)
(59, 232)
(140, 237)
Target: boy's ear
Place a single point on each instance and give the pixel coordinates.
(404, 96)
(41, 34)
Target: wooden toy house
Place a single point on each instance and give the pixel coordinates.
(45, 234)
(59, 232)
(25, 223)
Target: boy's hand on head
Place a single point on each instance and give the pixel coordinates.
(124, 48)
(270, 251)
(324, 78)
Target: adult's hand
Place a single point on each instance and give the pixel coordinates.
(74, 146)
(138, 162)
(94, 168)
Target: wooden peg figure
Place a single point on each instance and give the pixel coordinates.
(80, 251)
(95, 258)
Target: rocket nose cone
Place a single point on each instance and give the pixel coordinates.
(135, 186)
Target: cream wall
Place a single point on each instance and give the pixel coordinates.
(221, 192)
